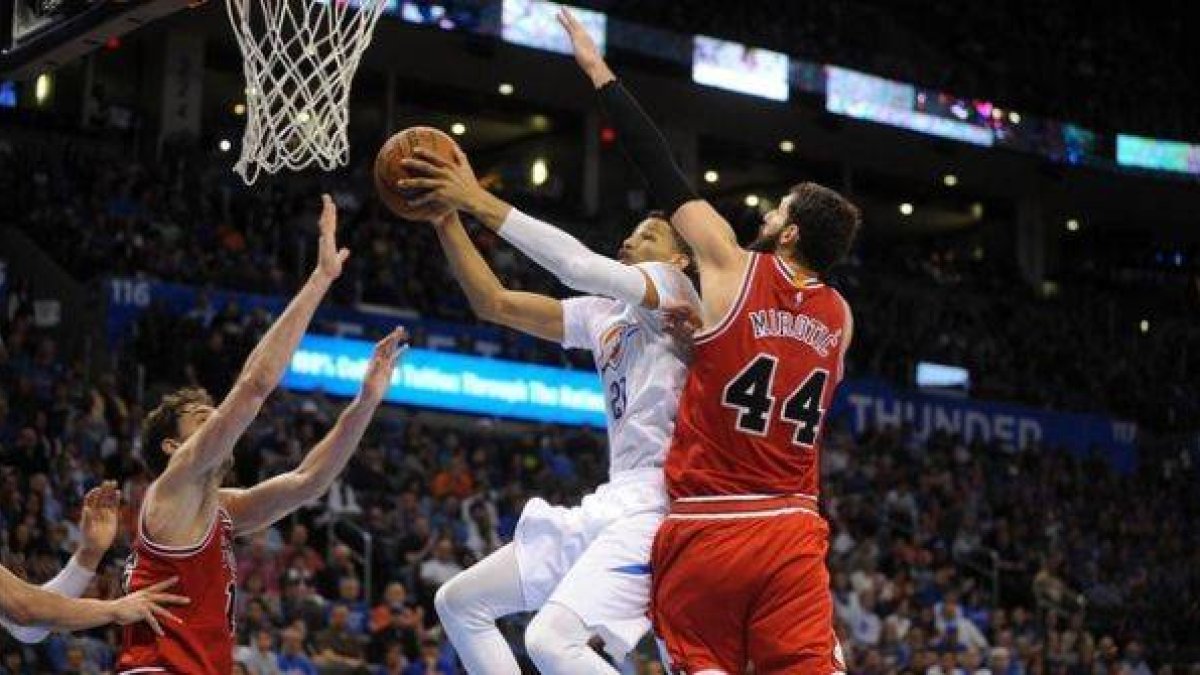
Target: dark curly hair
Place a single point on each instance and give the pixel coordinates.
(163, 423)
(828, 223)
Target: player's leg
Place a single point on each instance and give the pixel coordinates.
(606, 592)
(557, 641)
(791, 620)
(469, 604)
(700, 595)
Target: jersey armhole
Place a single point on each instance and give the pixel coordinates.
(747, 280)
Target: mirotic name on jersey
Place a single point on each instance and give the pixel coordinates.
(772, 323)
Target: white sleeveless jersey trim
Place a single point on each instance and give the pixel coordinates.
(740, 515)
(180, 551)
(808, 283)
(742, 498)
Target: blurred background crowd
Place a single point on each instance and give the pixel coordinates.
(948, 556)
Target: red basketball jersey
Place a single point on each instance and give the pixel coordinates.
(203, 642)
(760, 383)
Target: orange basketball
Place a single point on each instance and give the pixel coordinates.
(389, 170)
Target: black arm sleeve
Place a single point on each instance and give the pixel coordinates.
(646, 148)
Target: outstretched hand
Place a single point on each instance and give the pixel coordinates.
(98, 524)
(383, 362)
(329, 257)
(587, 54)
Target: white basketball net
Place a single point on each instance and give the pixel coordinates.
(300, 57)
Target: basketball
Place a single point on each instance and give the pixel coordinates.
(389, 168)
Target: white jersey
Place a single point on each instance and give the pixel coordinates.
(641, 367)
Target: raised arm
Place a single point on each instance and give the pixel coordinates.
(213, 443)
(452, 185)
(26, 605)
(711, 237)
(98, 528)
(257, 507)
(532, 313)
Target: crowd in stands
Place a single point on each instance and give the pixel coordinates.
(191, 221)
(945, 558)
(1127, 70)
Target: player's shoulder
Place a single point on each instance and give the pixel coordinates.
(674, 287)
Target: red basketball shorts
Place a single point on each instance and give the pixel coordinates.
(743, 580)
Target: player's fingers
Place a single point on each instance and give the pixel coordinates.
(427, 198)
(164, 584)
(165, 613)
(424, 168)
(169, 599)
(432, 157)
(343, 255)
(328, 211)
(576, 27)
(149, 618)
(418, 183)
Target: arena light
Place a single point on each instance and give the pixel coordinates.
(539, 172)
(225, 145)
(711, 176)
(42, 88)
(906, 209)
(1072, 225)
(1014, 117)
(458, 128)
(239, 109)
(977, 210)
(950, 180)
(1144, 326)
(506, 89)
(752, 201)
(787, 145)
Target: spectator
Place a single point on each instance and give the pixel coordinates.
(292, 660)
(298, 553)
(953, 628)
(441, 567)
(350, 597)
(258, 657)
(338, 650)
(395, 662)
(395, 596)
(405, 628)
(431, 660)
(1133, 662)
(455, 480)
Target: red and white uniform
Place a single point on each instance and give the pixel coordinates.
(739, 564)
(203, 643)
